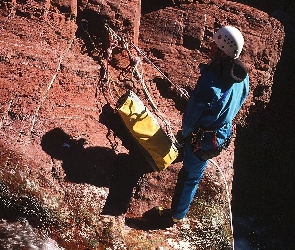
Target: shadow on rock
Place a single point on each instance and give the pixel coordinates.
(168, 93)
(93, 165)
(147, 7)
(100, 166)
(151, 220)
(130, 168)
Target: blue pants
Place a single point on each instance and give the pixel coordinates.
(187, 183)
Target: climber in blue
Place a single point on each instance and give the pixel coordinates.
(207, 121)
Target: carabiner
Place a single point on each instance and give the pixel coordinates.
(85, 28)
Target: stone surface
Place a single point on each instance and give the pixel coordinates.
(63, 144)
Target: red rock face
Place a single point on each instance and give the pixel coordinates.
(61, 140)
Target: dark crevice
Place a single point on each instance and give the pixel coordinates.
(150, 6)
(190, 42)
(264, 177)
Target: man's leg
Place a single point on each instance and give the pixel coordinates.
(187, 183)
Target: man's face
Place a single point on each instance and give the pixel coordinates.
(213, 51)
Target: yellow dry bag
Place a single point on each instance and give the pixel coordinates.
(147, 131)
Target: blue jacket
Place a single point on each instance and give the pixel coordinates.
(213, 104)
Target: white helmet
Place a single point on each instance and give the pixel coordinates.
(230, 40)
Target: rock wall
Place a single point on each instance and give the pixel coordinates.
(61, 141)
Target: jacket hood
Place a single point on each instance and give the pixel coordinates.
(230, 70)
(238, 71)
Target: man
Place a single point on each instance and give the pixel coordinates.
(207, 122)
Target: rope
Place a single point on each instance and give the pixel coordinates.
(84, 26)
(154, 106)
(228, 197)
(49, 85)
(203, 33)
(139, 74)
(9, 44)
(113, 44)
(182, 91)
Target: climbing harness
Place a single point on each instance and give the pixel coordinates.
(205, 155)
